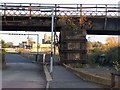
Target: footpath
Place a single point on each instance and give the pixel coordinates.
(63, 78)
(22, 74)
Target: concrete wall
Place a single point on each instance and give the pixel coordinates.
(93, 78)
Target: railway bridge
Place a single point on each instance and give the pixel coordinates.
(96, 19)
(105, 18)
(73, 21)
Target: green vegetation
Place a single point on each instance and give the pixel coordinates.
(3, 44)
(93, 57)
(104, 54)
(113, 55)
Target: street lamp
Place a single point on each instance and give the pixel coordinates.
(52, 27)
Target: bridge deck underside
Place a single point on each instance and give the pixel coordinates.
(101, 25)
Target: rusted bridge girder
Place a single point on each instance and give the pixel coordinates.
(37, 17)
(100, 25)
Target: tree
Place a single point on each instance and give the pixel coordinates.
(95, 46)
(89, 46)
(111, 42)
(3, 44)
(112, 55)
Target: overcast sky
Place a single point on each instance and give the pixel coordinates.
(16, 39)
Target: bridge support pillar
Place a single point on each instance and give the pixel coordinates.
(72, 42)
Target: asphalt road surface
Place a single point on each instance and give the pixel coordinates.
(16, 58)
(22, 73)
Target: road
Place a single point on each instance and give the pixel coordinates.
(16, 58)
(22, 73)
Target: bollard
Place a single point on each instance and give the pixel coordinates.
(44, 58)
(36, 57)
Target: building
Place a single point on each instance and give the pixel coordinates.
(46, 39)
(9, 44)
(11, 50)
(27, 44)
(43, 48)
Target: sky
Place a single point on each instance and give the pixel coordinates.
(16, 39)
(64, 1)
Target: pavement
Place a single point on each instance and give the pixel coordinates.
(21, 73)
(62, 78)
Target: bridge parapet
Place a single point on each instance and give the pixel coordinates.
(44, 10)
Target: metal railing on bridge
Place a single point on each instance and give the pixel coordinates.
(36, 9)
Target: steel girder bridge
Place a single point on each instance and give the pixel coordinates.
(105, 18)
(99, 19)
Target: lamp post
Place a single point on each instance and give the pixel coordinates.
(52, 27)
